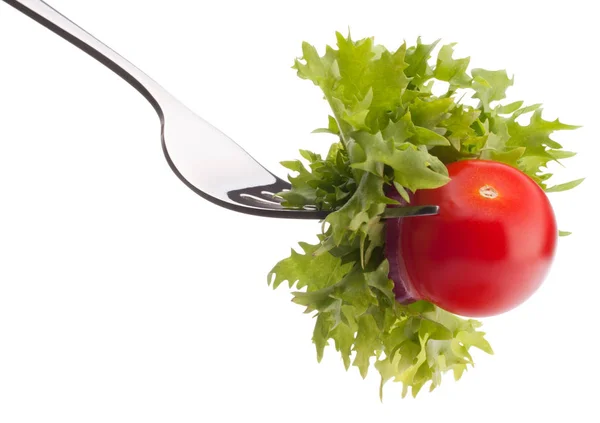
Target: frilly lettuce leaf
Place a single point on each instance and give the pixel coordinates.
(390, 130)
(412, 344)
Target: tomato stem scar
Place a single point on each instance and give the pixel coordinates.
(488, 191)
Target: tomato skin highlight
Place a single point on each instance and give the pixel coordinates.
(490, 247)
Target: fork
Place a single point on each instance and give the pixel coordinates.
(224, 174)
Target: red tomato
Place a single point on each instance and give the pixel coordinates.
(489, 248)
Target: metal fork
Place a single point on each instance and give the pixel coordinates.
(224, 174)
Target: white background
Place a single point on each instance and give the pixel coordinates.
(124, 297)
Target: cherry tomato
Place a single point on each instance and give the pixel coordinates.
(488, 250)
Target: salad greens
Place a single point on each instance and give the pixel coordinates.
(391, 130)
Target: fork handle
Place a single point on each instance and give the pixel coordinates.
(45, 15)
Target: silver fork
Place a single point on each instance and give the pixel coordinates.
(224, 174)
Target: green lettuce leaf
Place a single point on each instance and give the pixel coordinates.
(389, 130)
